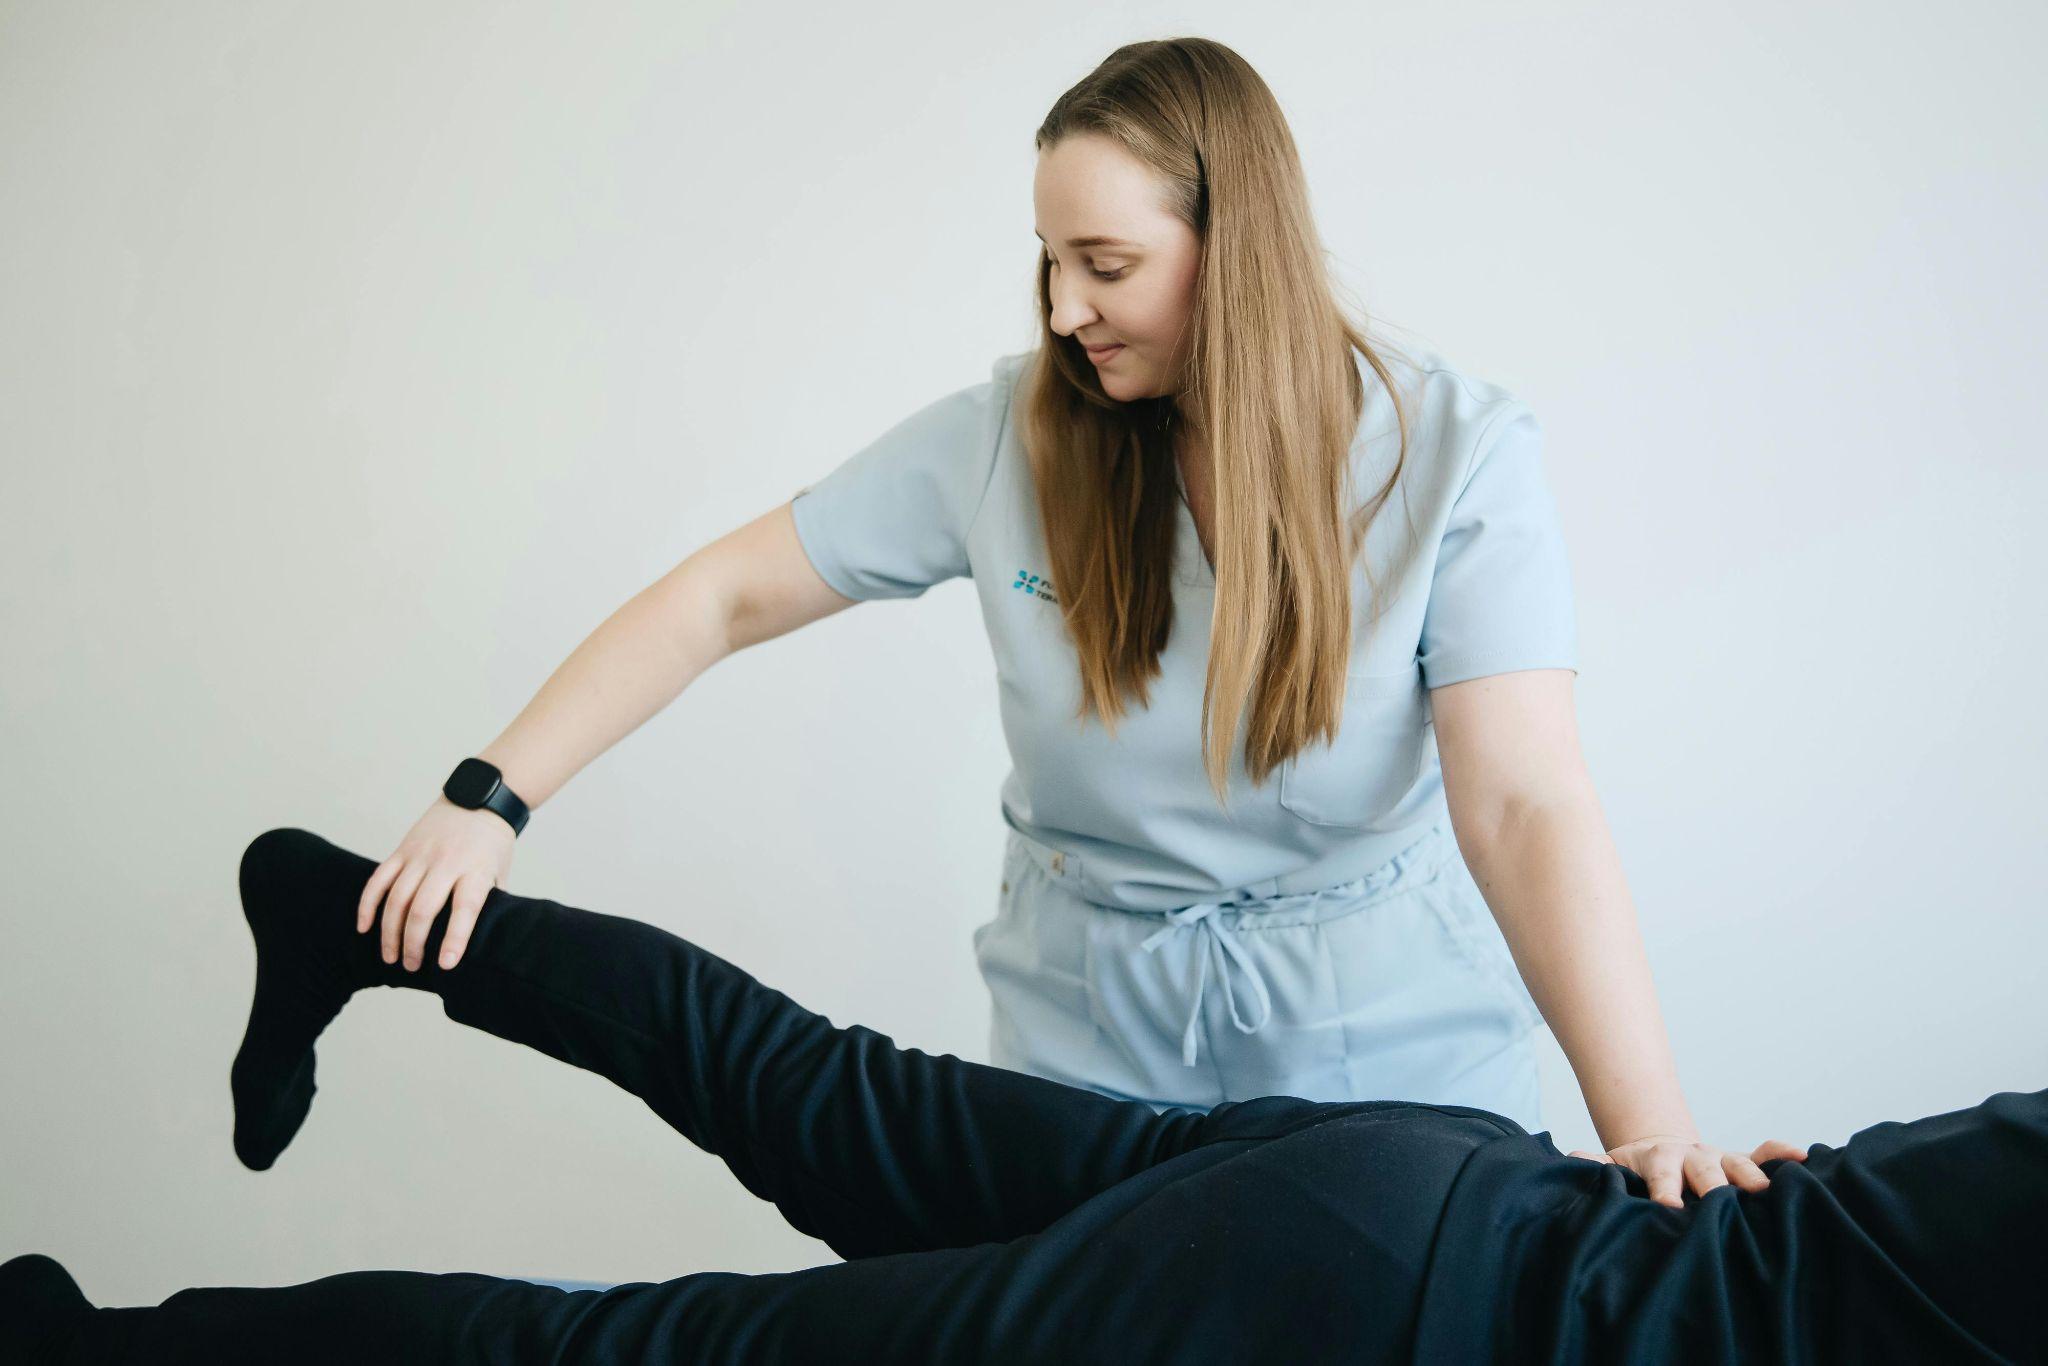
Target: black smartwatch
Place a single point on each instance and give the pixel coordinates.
(475, 783)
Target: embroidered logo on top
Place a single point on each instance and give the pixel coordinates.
(1035, 585)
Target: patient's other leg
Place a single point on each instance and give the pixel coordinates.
(872, 1148)
(1307, 1248)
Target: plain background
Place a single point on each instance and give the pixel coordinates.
(357, 360)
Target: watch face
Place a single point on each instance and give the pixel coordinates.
(471, 782)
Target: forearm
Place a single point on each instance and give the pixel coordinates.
(1552, 877)
(637, 661)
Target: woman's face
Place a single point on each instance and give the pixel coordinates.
(1134, 292)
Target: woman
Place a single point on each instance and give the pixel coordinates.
(991, 1216)
(1284, 640)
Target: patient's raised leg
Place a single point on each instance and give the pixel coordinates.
(872, 1148)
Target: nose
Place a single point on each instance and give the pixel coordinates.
(1071, 310)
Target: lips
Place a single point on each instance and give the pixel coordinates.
(1102, 353)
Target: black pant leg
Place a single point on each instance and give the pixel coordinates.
(1305, 1248)
(353, 1318)
(870, 1147)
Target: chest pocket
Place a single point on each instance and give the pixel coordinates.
(1375, 760)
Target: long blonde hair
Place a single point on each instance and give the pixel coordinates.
(1270, 388)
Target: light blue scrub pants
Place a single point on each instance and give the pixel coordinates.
(1393, 986)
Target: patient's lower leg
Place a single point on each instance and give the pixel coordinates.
(870, 1147)
(355, 1317)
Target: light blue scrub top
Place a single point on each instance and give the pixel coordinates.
(1483, 587)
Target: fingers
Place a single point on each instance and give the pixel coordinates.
(1744, 1172)
(463, 911)
(1703, 1169)
(374, 889)
(1669, 1169)
(426, 908)
(398, 906)
(1666, 1175)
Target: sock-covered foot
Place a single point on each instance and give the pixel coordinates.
(299, 895)
(41, 1309)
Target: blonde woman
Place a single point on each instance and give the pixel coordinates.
(1283, 630)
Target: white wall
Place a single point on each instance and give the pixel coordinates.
(359, 359)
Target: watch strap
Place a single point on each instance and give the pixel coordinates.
(477, 784)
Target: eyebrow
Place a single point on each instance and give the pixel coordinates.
(1092, 241)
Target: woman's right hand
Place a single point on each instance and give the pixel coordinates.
(449, 849)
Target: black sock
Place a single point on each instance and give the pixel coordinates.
(299, 895)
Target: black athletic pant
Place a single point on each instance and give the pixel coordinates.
(987, 1215)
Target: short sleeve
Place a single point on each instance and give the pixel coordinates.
(892, 519)
(1501, 597)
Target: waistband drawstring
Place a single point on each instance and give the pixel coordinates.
(1204, 916)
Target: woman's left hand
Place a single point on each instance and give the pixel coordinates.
(1668, 1161)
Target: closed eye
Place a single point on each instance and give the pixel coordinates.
(1117, 274)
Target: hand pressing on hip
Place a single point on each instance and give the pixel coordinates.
(1668, 1162)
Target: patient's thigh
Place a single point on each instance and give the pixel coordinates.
(1305, 1247)
(1309, 1247)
